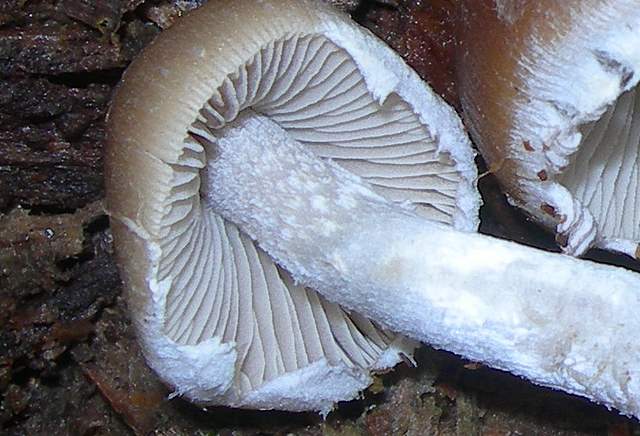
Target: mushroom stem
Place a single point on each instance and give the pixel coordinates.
(560, 322)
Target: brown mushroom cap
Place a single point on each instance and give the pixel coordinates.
(218, 319)
(547, 91)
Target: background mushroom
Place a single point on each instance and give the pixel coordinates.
(218, 320)
(549, 94)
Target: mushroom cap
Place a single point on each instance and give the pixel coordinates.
(217, 318)
(548, 91)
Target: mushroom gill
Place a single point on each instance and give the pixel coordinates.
(604, 175)
(549, 94)
(218, 319)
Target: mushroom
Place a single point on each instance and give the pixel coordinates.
(218, 137)
(549, 95)
(217, 318)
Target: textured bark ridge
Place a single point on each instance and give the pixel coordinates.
(58, 65)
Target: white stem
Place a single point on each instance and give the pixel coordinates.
(558, 321)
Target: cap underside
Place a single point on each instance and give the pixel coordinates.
(314, 90)
(222, 284)
(218, 320)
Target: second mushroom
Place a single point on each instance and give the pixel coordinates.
(549, 90)
(258, 150)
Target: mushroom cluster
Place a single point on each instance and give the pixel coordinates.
(293, 207)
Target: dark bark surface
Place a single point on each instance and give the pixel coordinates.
(69, 363)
